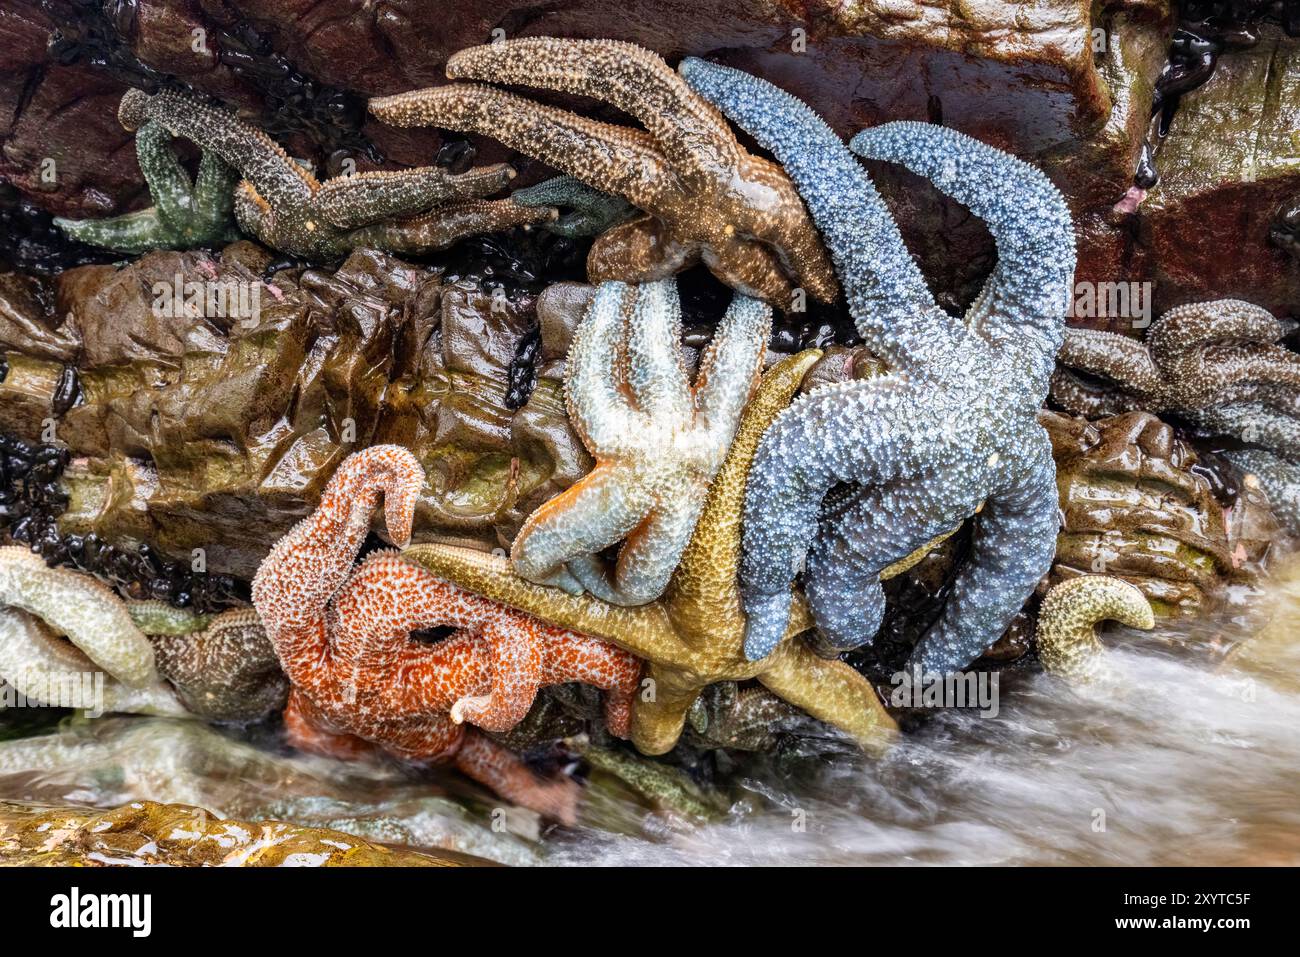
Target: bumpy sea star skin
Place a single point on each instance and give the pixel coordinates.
(343, 637)
(692, 636)
(1216, 364)
(657, 441)
(952, 426)
(1274, 459)
(593, 212)
(38, 604)
(185, 213)
(1067, 639)
(1195, 356)
(284, 206)
(705, 197)
(224, 671)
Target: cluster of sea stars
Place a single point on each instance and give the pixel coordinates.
(280, 202)
(1217, 364)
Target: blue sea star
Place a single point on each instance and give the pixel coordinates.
(953, 424)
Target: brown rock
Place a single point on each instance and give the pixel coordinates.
(1134, 507)
(1229, 162)
(210, 422)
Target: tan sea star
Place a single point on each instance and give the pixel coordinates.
(704, 197)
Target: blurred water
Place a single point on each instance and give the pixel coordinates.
(1173, 763)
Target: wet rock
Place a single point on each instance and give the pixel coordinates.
(111, 761)
(1228, 164)
(176, 835)
(212, 406)
(1135, 506)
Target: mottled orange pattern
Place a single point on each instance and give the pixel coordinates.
(343, 636)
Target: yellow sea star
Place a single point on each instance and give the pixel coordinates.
(693, 635)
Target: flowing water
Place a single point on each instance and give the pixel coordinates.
(1173, 762)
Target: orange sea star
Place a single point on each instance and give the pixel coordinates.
(343, 637)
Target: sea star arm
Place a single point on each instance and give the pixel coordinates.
(598, 406)
(644, 631)
(690, 132)
(130, 233)
(654, 370)
(613, 504)
(161, 225)
(79, 606)
(891, 305)
(296, 581)
(214, 196)
(1012, 548)
(276, 177)
(647, 557)
(800, 457)
(1067, 640)
(448, 224)
(1025, 297)
(1124, 360)
(50, 671)
(729, 368)
(516, 676)
(593, 211)
(1185, 327)
(1089, 399)
(169, 184)
(364, 198)
(500, 770)
(611, 158)
(639, 251)
(832, 692)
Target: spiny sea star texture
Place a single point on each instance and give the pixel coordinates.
(692, 636)
(657, 441)
(952, 425)
(224, 671)
(185, 213)
(1195, 356)
(705, 198)
(593, 212)
(1219, 365)
(284, 205)
(1067, 638)
(343, 636)
(38, 604)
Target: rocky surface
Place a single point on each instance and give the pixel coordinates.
(193, 429)
(1068, 83)
(144, 833)
(1137, 503)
